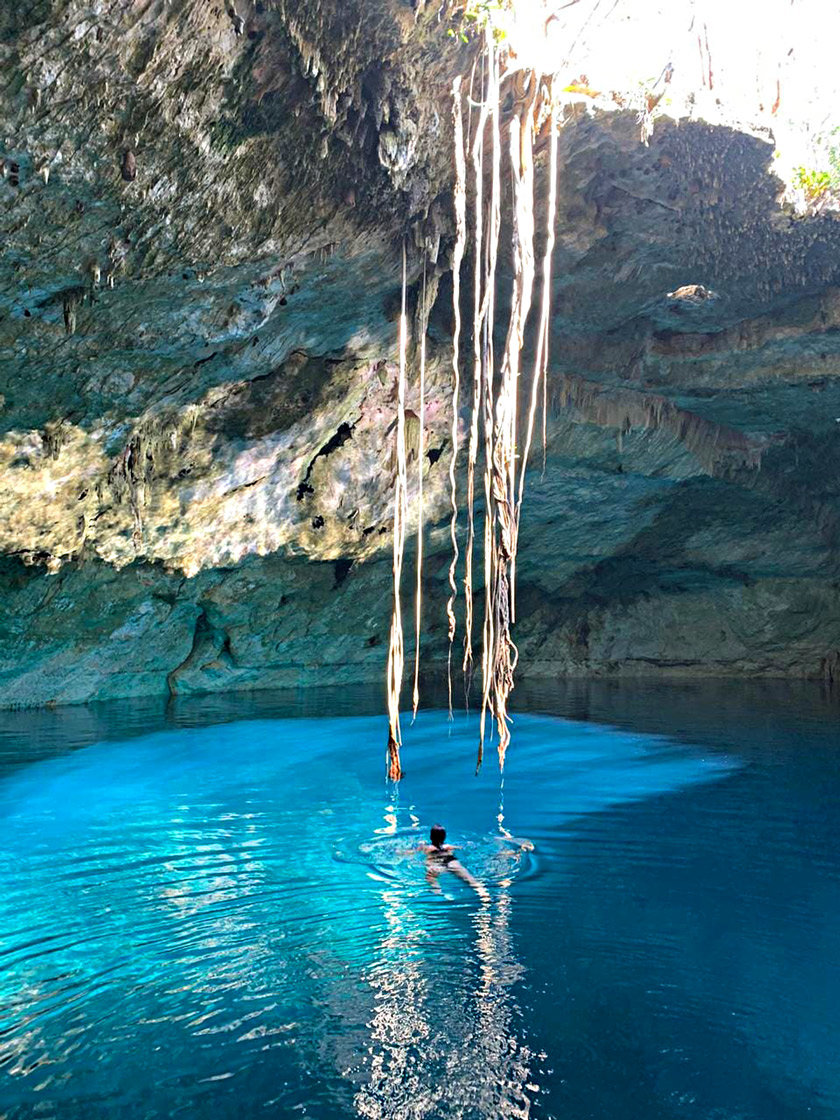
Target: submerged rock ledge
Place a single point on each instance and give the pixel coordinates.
(202, 210)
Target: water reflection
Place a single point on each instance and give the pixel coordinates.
(445, 1033)
(221, 920)
(508, 1091)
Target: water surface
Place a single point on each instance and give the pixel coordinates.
(217, 910)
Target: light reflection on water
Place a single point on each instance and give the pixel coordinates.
(230, 919)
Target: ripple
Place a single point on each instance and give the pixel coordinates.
(397, 858)
(232, 920)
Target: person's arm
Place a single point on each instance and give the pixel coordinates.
(523, 845)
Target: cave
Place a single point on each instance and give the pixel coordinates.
(420, 424)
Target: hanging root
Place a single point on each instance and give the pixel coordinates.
(396, 651)
(521, 148)
(494, 396)
(487, 316)
(418, 593)
(541, 360)
(472, 454)
(502, 651)
(458, 256)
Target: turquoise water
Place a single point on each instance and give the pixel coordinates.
(216, 910)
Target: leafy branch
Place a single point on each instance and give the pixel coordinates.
(477, 16)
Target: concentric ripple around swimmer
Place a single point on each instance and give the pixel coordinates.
(235, 920)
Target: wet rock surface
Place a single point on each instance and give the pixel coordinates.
(202, 211)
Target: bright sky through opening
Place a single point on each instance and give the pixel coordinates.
(767, 65)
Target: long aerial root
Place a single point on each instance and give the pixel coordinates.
(472, 454)
(541, 361)
(494, 400)
(552, 217)
(521, 149)
(502, 654)
(396, 651)
(418, 592)
(488, 318)
(458, 256)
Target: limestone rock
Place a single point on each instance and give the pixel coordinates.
(203, 211)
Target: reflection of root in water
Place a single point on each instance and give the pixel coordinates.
(442, 1036)
(399, 1024)
(505, 1086)
(399, 1028)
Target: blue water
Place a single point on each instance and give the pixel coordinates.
(220, 914)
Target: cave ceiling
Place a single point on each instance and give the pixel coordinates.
(203, 208)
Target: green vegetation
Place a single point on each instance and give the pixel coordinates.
(814, 184)
(820, 185)
(478, 15)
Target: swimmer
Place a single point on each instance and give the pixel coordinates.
(441, 857)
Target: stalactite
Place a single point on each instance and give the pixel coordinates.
(717, 447)
(418, 591)
(458, 256)
(396, 651)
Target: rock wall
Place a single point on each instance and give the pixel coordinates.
(203, 209)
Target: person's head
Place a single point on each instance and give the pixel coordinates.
(437, 835)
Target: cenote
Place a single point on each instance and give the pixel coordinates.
(383, 382)
(216, 908)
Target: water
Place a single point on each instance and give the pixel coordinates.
(215, 910)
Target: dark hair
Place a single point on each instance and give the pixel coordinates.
(437, 835)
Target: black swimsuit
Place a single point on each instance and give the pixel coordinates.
(440, 855)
